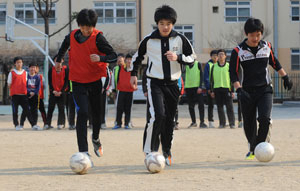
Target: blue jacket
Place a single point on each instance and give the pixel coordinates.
(206, 75)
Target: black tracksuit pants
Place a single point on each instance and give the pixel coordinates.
(84, 93)
(70, 107)
(194, 98)
(124, 105)
(60, 101)
(103, 108)
(41, 107)
(210, 108)
(257, 100)
(223, 97)
(162, 100)
(21, 100)
(33, 109)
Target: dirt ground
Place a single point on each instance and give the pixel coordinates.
(204, 159)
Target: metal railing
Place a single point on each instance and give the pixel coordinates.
(280, 94)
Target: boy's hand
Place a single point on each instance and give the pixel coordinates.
(171, 56)
(212, 94)
(95, 58)
(199, 91)
(31, 94)
(133, 82)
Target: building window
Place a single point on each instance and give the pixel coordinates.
(295, 10)
(26, 13)
(2, 13)
(116, 12)
(295, 57)
(215, 9)
(237, 11)
(186, 30)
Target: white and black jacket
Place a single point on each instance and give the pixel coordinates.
(155, 47)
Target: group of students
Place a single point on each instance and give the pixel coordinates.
(167, 51)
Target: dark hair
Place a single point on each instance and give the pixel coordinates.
(32, 64)
(165, 12)
(87, 17)
(121, 54)
(213, 52)
(128, 55)
(17, 58)
(222, 50)
(253, 25)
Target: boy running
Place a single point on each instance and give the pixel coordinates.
(89, 51)
(167, 51)
(249, 72)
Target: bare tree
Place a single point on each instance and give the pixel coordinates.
(235, 36)
(46, 14)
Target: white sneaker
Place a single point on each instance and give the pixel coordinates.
(103, 126)
(211, 124)
(36, 128)
(19, 128)
(59, 127)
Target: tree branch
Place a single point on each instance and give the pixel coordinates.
(74, 15)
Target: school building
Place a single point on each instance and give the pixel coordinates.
(208, 24)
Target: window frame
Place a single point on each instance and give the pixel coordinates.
(35, 20)
(238, 5)
(291, 10)
(115, 6)
(3, 9)
(295, 52)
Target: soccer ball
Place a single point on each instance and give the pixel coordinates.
(80, 163)
(264, 152)
(155, 162)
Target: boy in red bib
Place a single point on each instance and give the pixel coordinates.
(89, 51)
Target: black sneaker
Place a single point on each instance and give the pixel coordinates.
(203, 125)
(98, 149)
(168, 157)
(192, 125)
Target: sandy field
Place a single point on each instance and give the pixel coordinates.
(204, 159)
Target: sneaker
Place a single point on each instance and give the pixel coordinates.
(192, 125)
(211, 124)
(168, 157)
(232, 126)
(103, 126)
(60, 127)
(203, 125)
(36, 128)
(130, 125)
(47, 127)
(176, 127)
(240, 125)
(72, 127)
(250, 156)
(221, 127)
(127, 127)
(19, 128)
(117, 127)
(98, 149)
(90, 157)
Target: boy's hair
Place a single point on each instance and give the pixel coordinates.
(32, 64)
(165, 12)
(222, 50)
(253, 25)
(55, 57)
(121, 54)
(17, 58)
(213, 52)
(128, 55)
(87, 17)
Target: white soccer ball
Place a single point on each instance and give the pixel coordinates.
(80, 163)
(264, 152)
(155, 162)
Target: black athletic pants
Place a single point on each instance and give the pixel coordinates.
(84, 93)
(162, 100)
(21, 100)
(223, 97)
(257, 100)
(124, 106)
(103, 108)
(70, 107)
(60, 101)
(210, 108)
(194, 98)
(33, 109)
(41, 107)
